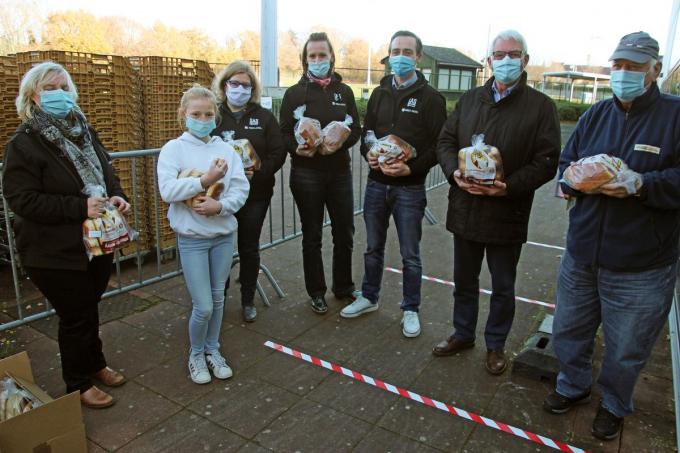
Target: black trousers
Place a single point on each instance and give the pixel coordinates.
(467, 263)
(75, 296)
(250, 219)
(313, 190)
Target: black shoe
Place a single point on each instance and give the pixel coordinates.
(346, 296)
(319, 305)
(606, 425)
(559, 404)
(249, 313)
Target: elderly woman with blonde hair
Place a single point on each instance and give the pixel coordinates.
(243, 118)
(52, 156)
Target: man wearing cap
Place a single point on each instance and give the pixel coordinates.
(620, 265)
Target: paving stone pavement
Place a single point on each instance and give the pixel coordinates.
(276, 403)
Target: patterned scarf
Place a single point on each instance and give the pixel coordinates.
(323, 83)
(72, 136)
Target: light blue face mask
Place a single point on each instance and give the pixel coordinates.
(627, 85)
(402, 65)
(57, 103)
(319, 68)
(507, 70)
(200, 129)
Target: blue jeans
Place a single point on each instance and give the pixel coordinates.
(502, 261)
(632, 308)
(407, 205)
(206, 264)
(313, 190)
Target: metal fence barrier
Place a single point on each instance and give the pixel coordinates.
(281, 225)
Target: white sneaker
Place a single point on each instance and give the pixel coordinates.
(218, 365)
(357, 308)
(198, 369)
(410, 324)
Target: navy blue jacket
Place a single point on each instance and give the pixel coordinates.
(639, 232)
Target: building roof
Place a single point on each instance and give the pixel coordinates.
(447, 55)
(577, 75)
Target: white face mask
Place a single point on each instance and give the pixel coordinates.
(239, 96)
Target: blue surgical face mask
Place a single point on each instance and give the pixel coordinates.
(627, 85)
(507, 70)
(57, 103)
(402, 65)
(239, 96)
(200, 129)
(319, 68)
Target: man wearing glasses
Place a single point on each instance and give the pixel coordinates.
(493, 219)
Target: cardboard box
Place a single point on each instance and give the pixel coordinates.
(55, 427)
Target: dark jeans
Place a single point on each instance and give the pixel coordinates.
(312, 190)
(75, 296)
(250, 220)
(407, 205)
(632, 308)
(467, 263)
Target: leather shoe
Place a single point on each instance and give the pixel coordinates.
(249, 313)
(109, 377)
(451, 346)
(319, 305)
(95, 398)
(496, 363)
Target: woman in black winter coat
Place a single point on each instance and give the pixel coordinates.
(320, 172)
(53, 155)
(242, 117)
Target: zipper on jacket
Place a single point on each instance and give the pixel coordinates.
(605, 210)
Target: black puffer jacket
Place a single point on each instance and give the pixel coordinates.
(43, 190)
(260, 127)
(328, 104)
(525, 128)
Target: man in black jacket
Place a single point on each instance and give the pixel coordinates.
(404, 105)
(523, 124)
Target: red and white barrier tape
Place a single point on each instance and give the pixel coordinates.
(528, 435)
(482, 291)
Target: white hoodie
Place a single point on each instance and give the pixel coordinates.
(188, 152)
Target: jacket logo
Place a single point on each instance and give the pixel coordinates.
(412, 102)
(254, 122)
(338, 97)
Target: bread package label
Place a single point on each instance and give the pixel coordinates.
(480, 162)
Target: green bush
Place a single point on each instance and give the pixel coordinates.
(570, 111)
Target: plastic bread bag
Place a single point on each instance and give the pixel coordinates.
(389, 148)
(15, 400)
(307, 132)
(480, 163)
(243, 147)
(107, 233)
(589, 174)
(334, 135)
(213, 191)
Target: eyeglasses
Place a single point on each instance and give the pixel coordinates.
(236, 84)
(499, 54)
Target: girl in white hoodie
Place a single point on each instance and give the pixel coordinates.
(205, 231)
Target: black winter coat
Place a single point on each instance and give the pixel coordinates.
(44, 190)
(260, 127)
(525, 128)
(328, 104)
(415, 114)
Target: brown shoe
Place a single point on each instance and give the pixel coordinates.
(109, 377)
(96, 399)
(496, 363)
(451, 346)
